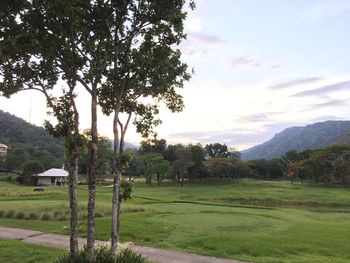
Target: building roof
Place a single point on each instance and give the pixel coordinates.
(3, 145)
(54, 172)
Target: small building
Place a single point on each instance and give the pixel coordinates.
(53, 176)
(3, 150)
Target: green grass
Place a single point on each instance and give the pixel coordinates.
(258, 221)
(13, 251)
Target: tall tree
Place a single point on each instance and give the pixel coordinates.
(183, 163)
(198, 157)
(144, 64)
(122, 50)
(36, 52)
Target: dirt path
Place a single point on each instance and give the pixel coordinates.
(62, 241)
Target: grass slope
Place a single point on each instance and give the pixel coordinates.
(256, 221)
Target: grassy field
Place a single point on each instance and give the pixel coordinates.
(13, 251)
(259, 221)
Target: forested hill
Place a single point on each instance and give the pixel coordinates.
(312, 136)
(28, 142)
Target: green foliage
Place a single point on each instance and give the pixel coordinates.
(222, 167)
(266, 169)
(126, 190)
(28, 142)
(217, 150)
(105, 155)
(124, 159)
(30, 168)
(331, 164)
(103, 255)
(155, 163)
(153, 145)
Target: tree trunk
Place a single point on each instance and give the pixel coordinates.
(116, 184)
(118, 215)
(73, 183)
(92, 180)
(158, 179)
(73, 204)
(116, 200)
(115, 212)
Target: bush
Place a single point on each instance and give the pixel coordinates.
(32, 216)
(104, 255)
(133, 210)
(99, 214)
(20, 215)
(2, 213)
(128, 256)
(45, 217)
(10, 214)
(62, 218)
(12, 178)
(57, 214)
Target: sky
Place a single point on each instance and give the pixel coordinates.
(260, 67)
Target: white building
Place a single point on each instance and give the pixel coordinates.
(3, 150)
(51, 177)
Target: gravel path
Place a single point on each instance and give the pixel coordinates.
(153, 254)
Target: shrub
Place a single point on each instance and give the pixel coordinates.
(20, 215)
(2, 213)
(99, 214)
(57, 214)
(128, 256)
(10, 214)
(45, 217)
(104, 255)
(133, 210)
(12, 178)
(62, 218)
(32, 216)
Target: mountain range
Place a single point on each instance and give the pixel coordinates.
(27, 142)
(313, 136)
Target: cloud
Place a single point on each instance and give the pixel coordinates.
(238, 138)
(324, 90)
(329, 103)
(205, 39)
(325, 104)
(258, 117)
(294, 82)
(248, 62)
(244, 62)
(328, 10)
(199, 45)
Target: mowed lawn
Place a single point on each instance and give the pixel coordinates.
(259, 221)
(13, 251)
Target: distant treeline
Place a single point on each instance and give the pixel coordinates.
(155, 159)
